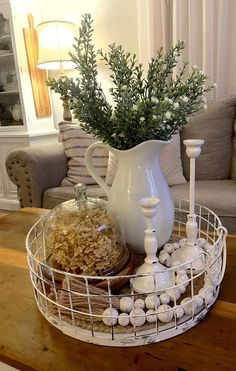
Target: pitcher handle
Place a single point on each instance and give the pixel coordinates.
(88, 158)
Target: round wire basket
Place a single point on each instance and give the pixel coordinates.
(75, 305)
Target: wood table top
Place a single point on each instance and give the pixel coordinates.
(29, 342)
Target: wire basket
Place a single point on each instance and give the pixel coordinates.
(75, 305)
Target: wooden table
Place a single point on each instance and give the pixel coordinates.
(29, 342)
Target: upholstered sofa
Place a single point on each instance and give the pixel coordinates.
(38, 171)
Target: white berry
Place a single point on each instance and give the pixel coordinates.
(164, 316)
(137, 321)
(139, 303)
(126, 304)
(164, 298)
(151, 316)
(123, 319)
(152, 301)
(112, 320)
(181, 272)
(189, 305)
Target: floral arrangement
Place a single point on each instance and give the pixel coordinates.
(154, 106)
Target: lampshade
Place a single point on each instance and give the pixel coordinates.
(55, 41)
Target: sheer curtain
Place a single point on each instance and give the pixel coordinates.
(208, 27)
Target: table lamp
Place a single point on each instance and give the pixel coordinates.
(55, 41)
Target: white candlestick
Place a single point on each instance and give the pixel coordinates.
(161, 279)
(191, 250)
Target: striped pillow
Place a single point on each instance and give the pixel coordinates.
(75, 142)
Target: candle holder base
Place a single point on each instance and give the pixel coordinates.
(160, 280)
(191, 255)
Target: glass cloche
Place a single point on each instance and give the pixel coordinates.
(83, 236)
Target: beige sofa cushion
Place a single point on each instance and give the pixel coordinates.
(75, 142)
(170, 162)
(215, 126)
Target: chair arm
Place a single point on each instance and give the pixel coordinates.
(35, 169)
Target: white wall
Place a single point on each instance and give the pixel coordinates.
(114, 21)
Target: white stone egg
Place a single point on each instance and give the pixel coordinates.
(164, 316)
(151, 316)
(137, 321)
(164, 298)
(152, 301)
(112, 320)
(123, 319)
(126, 304)
(139, 303)
(189, 306)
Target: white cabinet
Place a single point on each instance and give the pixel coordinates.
(19, 125)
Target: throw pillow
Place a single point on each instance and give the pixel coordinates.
(75, 142)
(170, 162)
(233, 160)
(215, 126)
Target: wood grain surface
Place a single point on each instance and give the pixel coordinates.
(37, 76)
(29, 342)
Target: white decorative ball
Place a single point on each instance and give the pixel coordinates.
(164, 298)
(206, 294)
(176, 245)
(168, 262)
(126, 304)
(164, 316)
(112, 320)
(137, 321)
(179, 312)
(174, 294)
(139, 303)
(152, 301)
(123, 319)
(182, 289)
(168, 247)
(198, 300)
(163, 256)
(181, 271)
(151, 316)
(188, 305)
(182, 280)
(182, 242)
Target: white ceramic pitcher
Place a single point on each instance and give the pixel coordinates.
(138, 175)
